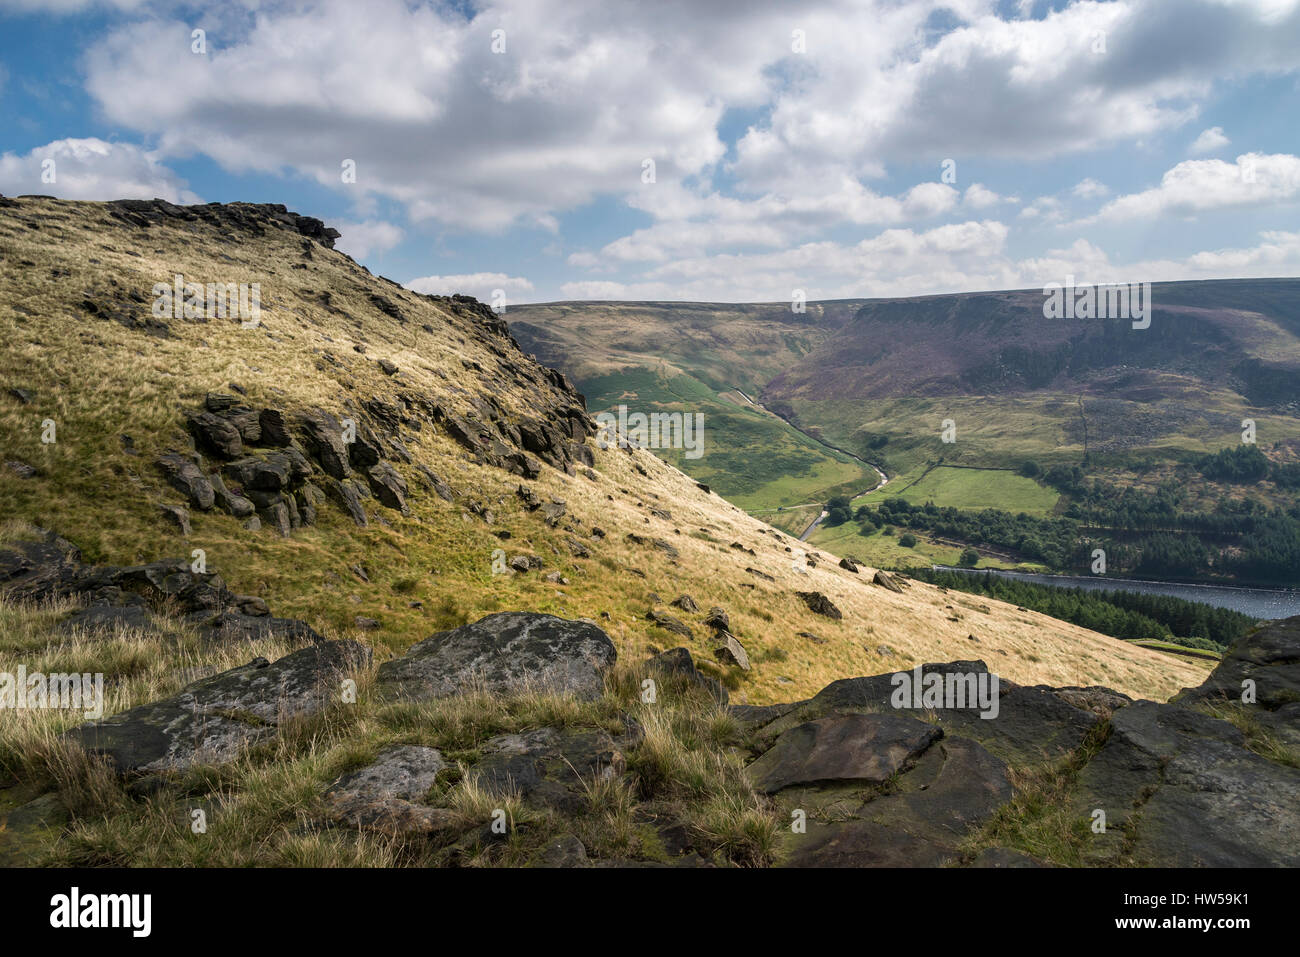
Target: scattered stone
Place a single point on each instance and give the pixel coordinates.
(669, 623)
(686, 603)
(886, 580)
(820, 604)
(729, 651)
(177, 517)
(678, 663)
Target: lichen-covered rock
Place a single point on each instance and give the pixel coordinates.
(213, 720)
(508, 651)
(388, 795)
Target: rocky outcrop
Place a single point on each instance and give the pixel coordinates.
(254, 218)
(509, 651)
(114, 597)
(1174, 785)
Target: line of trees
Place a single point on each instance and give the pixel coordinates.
(1123, 614)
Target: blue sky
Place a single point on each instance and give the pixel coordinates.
(794, 147)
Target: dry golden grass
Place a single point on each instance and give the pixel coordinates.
(98, 380)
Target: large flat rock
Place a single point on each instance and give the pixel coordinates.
(862, 748)
(213, 720)
(1184, 791)
(507, 652)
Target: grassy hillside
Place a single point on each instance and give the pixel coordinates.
(954, 395)
(75, 283)
(709, 359)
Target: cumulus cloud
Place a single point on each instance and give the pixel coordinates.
(481, 285)
(1044, 209)
(483, 140)
(979, 196)
(1196, 186)
(1089, 188)
(92, 169)
(445, 125)
(961, 257)
(359, 240)
(1210, 141)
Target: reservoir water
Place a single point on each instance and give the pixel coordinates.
(1256, 602)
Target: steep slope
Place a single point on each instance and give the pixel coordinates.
(466, 454)
(1022, 384)
(709, 359)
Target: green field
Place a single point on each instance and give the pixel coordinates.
(970, 488)
(883, 551)
(749, 457)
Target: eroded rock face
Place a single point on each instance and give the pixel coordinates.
(1183, 790)
(213, 720)
(955, 787)
(509, 651)
(863, 748)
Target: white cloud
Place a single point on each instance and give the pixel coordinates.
(1196, 186)
(960, 257)
(1046, 209)
(480, 141)
(359, 240)
(979, 196)
(480, 285)
(1089, 188)
(1210, 141)
(92, 169)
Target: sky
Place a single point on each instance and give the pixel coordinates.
(730, 150)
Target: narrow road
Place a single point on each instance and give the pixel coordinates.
(884, 479)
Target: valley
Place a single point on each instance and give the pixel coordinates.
(979, 403)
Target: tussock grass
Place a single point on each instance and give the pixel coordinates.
(1041, 819)
(267, 809)
(1258, 738)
